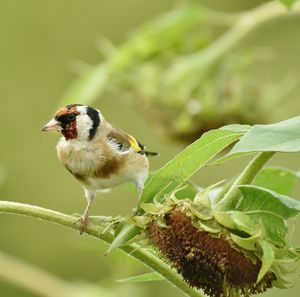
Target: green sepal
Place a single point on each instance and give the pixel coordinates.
(267, 258)
(202, 213)
(247, 243)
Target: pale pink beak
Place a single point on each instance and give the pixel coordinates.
(52, 125)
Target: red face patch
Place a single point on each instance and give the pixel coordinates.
(66, 111)
(67, 118)
(70, 132)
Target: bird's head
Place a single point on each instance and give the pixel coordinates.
(75, 121)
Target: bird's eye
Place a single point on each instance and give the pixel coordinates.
(71, 116)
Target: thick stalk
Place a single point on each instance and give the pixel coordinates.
(33, 279)
(147, 258)
(88, 87)
(245, 24)
(233, 194)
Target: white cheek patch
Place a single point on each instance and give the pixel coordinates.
(81, 109)
(100, 114)
(83, 125)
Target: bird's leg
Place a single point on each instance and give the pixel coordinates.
(134, 211)
(84, 219)
(140, 191)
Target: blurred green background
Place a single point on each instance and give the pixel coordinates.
(40, 40)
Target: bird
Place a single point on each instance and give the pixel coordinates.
(98, 154)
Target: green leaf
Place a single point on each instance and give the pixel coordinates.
(225, 219)
(207, 226)
(185, 164)
(287, 3)
(236, 128)
(204, 197)
(266, 259)
(269, 208)
(257, 198)
(147, 277)
(283, 277)
(280, 137)
(228, 157)
(236, 220)
(201, 212)
(279, 180)
(155, 208)
(274, 226)
(247, 243)
(140, 221)
(243, 222)
(128, 232)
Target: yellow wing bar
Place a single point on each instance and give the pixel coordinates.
(134, 143)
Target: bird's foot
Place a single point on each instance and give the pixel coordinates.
(83, 222)
(134, 212)
(113, 223)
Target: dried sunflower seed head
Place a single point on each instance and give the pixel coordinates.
(208, 262)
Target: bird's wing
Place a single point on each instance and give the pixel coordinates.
(123, 142)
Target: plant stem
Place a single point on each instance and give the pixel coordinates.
(134, 250)
(92, 83)
(233, 194)
(34, 279)
(245, 24)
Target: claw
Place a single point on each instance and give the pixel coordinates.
(83, 221)
(134, 212)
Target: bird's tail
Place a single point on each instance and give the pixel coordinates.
(144, 151)
(147, 153)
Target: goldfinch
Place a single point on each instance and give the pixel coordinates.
(98, 154)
